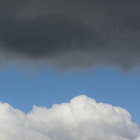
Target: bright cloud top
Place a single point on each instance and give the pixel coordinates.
(81, 119)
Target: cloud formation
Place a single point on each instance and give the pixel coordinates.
(81, 119)
(71, 33)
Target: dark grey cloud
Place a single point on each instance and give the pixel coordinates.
(71, 33)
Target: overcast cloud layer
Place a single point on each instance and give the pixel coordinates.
(71, 33)
(81, 119)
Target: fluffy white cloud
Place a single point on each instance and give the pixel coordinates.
(81, 119)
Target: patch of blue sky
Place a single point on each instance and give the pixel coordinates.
(45, 87)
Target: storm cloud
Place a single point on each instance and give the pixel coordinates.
(80, 119)
(71, 33)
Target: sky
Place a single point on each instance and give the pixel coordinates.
(45, 87)
(69, 69)
(84, 103)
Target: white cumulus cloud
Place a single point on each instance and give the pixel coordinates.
(80, 119)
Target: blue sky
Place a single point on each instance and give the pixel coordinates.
(45, 87)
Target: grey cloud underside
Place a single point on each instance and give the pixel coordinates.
(71, 33)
